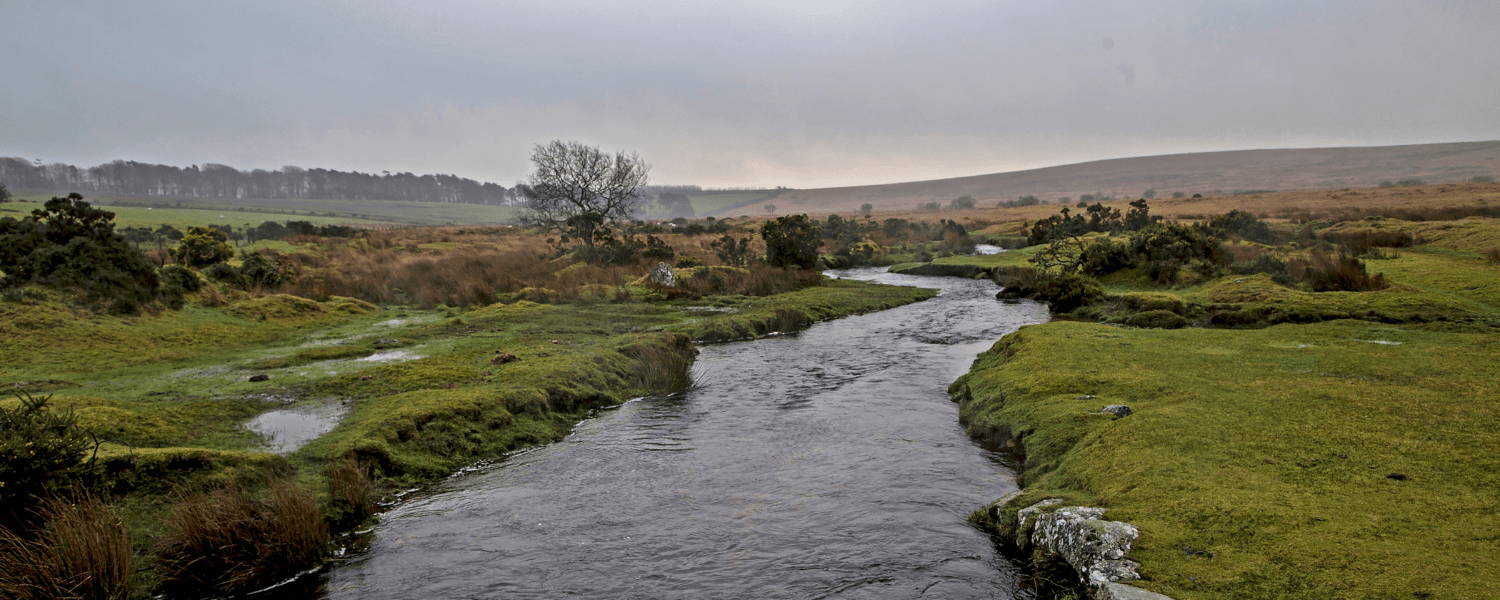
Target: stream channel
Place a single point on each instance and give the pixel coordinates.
(823, 464)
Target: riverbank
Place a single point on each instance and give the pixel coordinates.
(1280, 443)
(1336, 460)
(412, 395)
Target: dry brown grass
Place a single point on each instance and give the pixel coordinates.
(451, 266)
(351, 493)
(82, 552)
(226, 541)
(758, 280)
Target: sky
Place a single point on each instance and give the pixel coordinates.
(796, 93)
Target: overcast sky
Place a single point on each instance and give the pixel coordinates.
(801, 93)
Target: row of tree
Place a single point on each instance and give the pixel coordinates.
(211, 180)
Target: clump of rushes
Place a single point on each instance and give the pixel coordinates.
(351, 494)
(662, 364)
(82, 552)
(1493, 255)
(225, 541)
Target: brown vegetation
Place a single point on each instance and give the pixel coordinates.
(351, 493)
(226, 541)
(82, 552)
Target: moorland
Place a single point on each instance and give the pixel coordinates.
(1311, 375)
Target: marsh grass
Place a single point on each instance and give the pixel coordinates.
(81, 552)
(351, 493)
(226, 540)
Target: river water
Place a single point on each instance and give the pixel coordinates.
(823, 464)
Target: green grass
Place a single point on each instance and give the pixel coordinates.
(1268, 448)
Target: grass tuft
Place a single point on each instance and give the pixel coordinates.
(82, 552)
(351, 493)
(226, 541)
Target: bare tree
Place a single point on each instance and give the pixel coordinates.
(580, 190)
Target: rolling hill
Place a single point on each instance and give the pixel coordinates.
(1215, 173)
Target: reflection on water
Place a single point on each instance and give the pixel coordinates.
(284, 430)
(825, 464)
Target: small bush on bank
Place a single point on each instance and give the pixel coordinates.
(83, 552)
(1063, 292)
(226, 541)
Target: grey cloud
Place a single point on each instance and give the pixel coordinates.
(747, 93)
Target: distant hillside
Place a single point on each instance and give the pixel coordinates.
(1206, 173)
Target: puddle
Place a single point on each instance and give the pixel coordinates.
(1381, 342)
(284, 430)
(714, 309)
(390, 356)
(393, 323)
(987, 249)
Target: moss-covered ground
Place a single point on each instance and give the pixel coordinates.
(1347, 452)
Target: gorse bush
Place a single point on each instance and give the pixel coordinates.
(43, 453)
(201, 247)
(791, 241)
(70, 245)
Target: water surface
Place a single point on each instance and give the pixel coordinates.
(826, 464)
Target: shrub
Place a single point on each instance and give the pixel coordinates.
(1157, 319)
(1104, 257)
(260, 270)
(1063, 292)
(226, 541)
(731, 251)
(68, 244)
(83, 552)
(223, 273)
(201, 247)
(791, 241)
(687, 262)
(1243, 224)
(1268, 264)
(961, 203)
(1342, 274)
(41, 455)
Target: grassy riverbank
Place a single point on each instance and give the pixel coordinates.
(1284, 443)
(418, 393)
(1338, 460)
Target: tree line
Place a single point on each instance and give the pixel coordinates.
(211, 180)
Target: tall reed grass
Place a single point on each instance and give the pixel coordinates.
(351, 494)
(82, 552)
(225, 541)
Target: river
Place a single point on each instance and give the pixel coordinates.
(823, 464)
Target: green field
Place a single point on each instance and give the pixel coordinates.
(205, 211)
(1349, 457)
